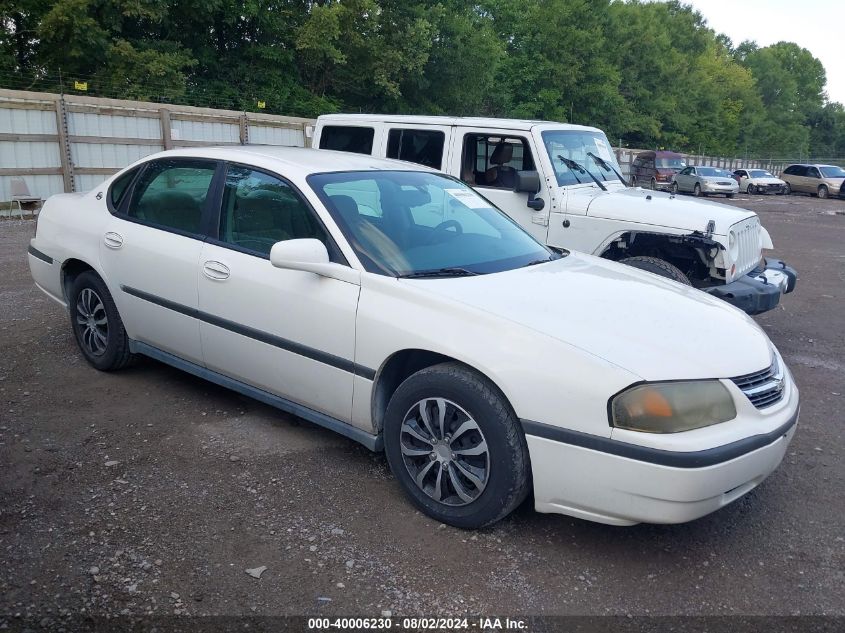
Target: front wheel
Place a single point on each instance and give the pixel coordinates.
(729, 195)
(653, 184)
(96, 324)
(658, 267)
(823, 192)
(696, 191)
(456, 446)
(752, 190)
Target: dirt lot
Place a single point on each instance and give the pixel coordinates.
(150, 491)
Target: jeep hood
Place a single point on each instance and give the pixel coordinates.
(651, 326)
(655, 208)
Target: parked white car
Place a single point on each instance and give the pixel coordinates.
(757, 181)
(396, 306)
(562, 184)
(704, 181)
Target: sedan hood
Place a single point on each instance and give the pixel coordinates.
(657, 208)
(650, 326)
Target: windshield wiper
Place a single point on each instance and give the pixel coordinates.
(439, 272)
(573, 166)
(607, 166)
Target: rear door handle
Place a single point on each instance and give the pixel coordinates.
(215, 270)
(113, 240)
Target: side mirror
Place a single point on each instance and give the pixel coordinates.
(529, 182)
(308, 255)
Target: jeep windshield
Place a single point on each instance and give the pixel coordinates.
(419, 224)
(580, 146)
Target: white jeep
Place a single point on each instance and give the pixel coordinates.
(562, 183)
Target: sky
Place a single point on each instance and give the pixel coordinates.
(816, 25)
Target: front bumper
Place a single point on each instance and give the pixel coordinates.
(760, 290)
(714, 188)
(618, 483)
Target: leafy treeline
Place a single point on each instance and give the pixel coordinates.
(652, 74)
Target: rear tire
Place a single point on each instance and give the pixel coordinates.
(675, 188)
(472, 471)
(729, 195)
(787, 189)
(658, 267)
(96, 323)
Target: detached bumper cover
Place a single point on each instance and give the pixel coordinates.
(760, 290)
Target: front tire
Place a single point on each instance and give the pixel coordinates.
(751, 190)
(96, 324)
(456, 447)
(696, 191)
(653, 184)
(824, 193)
(658, 267)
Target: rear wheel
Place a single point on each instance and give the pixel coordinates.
(456, 446)
(787, 189)
(675, 188)
(729, 195)
(658, 267)
(823, 192)
(96, 324)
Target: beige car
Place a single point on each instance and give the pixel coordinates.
(817, 180)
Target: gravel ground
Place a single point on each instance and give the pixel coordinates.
(149, 491)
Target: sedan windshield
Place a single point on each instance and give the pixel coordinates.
(832, 172)
(580, 146)
(714, 171)
(759, 173)
(420, 224)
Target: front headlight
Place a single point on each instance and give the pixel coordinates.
(733, 245)
(672, 407)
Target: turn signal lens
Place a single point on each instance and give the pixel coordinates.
(672, 407)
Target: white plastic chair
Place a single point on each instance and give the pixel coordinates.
(21, 194)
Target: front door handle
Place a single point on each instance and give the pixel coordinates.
(113, 240)
(215, 270)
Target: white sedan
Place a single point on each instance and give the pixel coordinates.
(756, 181)
(398, 307)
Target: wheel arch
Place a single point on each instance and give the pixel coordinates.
(692, 253)
(71, 269)
(402, 364)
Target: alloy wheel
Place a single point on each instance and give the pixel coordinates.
(93, 322)
(445, 451)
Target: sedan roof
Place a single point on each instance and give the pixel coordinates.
(294, 159)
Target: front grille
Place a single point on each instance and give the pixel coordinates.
(724, 182)
(748, 239)
(763, 388)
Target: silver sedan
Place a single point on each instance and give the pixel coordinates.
(703, 181)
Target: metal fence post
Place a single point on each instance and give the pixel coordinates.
(64, 145)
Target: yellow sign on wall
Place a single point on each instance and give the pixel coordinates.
(80, 85)
(261, 105)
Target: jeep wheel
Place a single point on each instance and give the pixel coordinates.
(658, 267)
(456, 447)
(823, 192)
(96, 324)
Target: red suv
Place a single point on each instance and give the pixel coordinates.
(654, 170)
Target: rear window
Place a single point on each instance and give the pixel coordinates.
(119, 186)
(346, 138)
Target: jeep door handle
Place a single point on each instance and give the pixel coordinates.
(215, 270)
(113, 240)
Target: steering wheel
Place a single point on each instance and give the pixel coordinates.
(443, 227)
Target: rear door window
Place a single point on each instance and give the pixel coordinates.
(171, 194)
(347, 138)
(424, 147)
